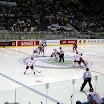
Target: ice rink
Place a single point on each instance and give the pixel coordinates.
(12, 78)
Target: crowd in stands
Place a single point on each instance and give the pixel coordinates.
(95, 13)
(45, 15)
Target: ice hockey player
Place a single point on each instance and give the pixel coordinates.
(44, 44)
(55, 54)
(94, 98)
(30, 64)
(74, 46)
(41, 49)
(82, 60)
(77, 59)
(36, 51)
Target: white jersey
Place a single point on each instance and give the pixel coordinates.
(80, 55)
(77, 57)
(30, 62)
(36, 50)
(93, 96)
(55, 54)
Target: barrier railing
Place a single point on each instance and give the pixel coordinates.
(63, 92)
(8, 35)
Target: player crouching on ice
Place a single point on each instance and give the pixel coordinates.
(79, 59)
(54, 54)
(41, 49)
(36, 50)
(30, 64)
(94, 98)
(82, 60)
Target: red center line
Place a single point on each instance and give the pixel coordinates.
(94, 71)
(18, 51)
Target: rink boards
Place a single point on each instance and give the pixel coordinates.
(20, 43)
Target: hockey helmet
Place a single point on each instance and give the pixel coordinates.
(91, 89)
(81, 54)
(78, 102)
(87, 69)
(31, 58)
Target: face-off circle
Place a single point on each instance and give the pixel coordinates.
(46, 63)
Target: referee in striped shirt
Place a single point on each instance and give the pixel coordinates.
(61, 55)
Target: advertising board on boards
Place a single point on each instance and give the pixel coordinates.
(27, 43)
(53, 42)
(68, 41)
(87, 41)
(8, 43)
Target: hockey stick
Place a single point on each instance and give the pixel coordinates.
(92, 101)
(84, 92)
(38, 71)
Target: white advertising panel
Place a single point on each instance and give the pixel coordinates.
(89, 41)
(101, 40)
(53, 42)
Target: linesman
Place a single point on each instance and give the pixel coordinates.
(87, 78)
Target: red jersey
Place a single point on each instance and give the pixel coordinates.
(74, 45)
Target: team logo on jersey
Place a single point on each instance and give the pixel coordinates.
(47, 63)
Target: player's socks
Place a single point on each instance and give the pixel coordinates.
(73, 63)
(25, 71)
(85, 64)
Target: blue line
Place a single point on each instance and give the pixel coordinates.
(50, 98)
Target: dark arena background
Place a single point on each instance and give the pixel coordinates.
(39, 32)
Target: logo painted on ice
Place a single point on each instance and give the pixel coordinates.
(46, 63)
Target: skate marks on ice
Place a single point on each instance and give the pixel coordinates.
(46, 63)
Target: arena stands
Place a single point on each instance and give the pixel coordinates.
(42, 15)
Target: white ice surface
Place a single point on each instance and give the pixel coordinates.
(11, 67)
